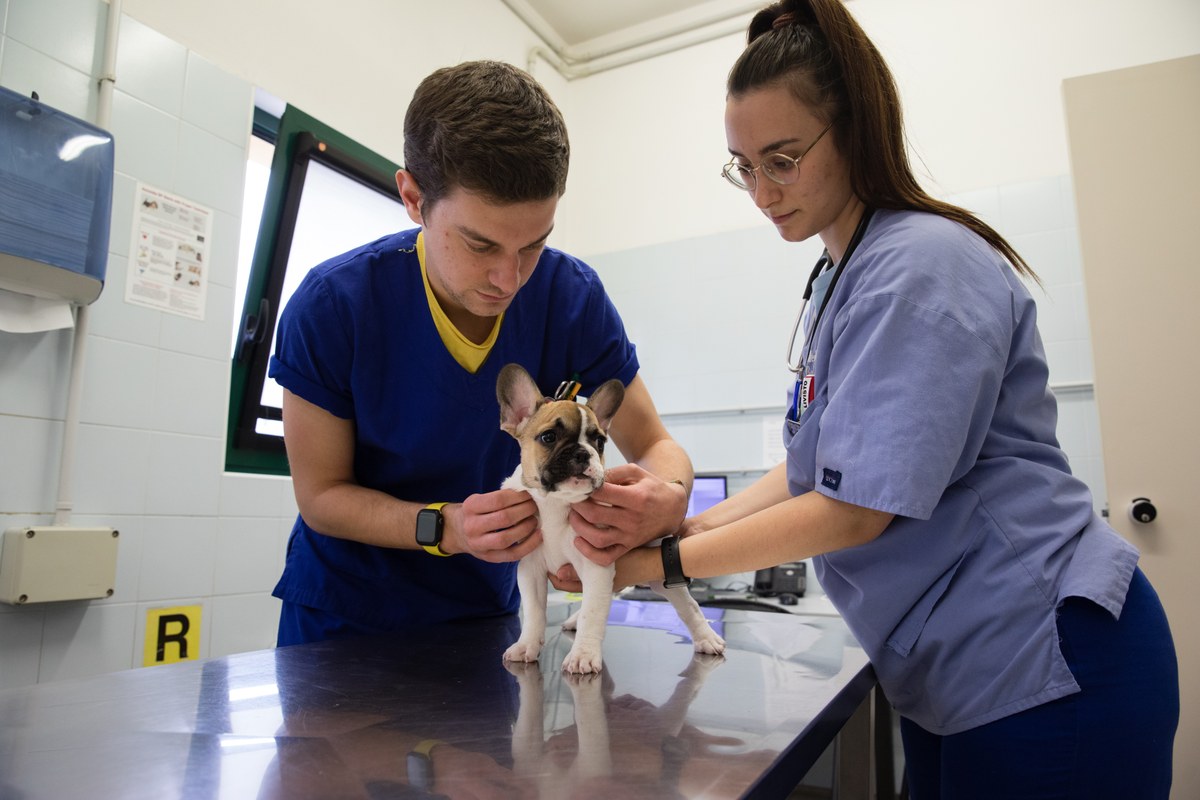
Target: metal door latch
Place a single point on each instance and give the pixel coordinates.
(1142, 510)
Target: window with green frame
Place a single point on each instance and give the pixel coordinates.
(325, 194)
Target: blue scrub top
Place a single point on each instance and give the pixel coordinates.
(357, 339)
(931, 402)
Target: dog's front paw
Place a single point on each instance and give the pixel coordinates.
(709, 642)
(523, 650)
(582, 660)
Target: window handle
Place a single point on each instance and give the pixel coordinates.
(254, 328)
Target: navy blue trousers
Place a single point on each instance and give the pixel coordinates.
(1113, 739)
(300, 624)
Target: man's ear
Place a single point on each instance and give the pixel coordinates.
(518, 395)
(410, 193)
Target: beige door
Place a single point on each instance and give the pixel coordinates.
(1135, 158)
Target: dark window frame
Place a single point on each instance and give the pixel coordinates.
(299, 139)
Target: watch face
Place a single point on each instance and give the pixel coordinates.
(429, 527)
(420, 771)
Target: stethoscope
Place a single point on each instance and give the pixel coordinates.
(822, 263)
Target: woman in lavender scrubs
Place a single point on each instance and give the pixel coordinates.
(1009, 625)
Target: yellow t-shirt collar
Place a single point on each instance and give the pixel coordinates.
(468, 354)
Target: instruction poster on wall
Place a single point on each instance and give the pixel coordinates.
(169, 254)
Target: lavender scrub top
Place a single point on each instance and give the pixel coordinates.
(931, 402)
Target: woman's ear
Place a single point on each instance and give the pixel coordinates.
(410, 194)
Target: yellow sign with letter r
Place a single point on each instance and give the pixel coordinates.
(172, 634)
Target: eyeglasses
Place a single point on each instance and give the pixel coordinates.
(782, 169)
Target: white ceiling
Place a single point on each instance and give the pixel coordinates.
(583, 37)
(577, 21)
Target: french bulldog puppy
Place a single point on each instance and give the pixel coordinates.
(562, 462)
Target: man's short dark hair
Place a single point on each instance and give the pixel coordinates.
(489, 128)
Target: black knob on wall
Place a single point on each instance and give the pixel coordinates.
(1142, 510)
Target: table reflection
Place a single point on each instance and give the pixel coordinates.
(340, 719)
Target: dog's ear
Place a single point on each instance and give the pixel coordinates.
(518, 396)
(605, 401)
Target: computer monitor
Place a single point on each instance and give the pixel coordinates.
(707, 491)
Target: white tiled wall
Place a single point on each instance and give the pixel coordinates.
(151, 440)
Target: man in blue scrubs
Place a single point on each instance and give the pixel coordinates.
(388, 357)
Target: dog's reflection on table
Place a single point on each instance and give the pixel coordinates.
(649, 747)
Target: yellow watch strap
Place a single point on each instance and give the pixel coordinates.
(428, 744)
(435, 550)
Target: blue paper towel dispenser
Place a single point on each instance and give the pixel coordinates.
(56, 176)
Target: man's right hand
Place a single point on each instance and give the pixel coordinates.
(496, 526)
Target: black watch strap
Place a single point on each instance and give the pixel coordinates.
(672, 566)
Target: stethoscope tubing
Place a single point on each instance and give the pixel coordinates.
(818, 268)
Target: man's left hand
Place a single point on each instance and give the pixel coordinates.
(631, 508)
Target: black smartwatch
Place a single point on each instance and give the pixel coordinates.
(429, 529)
(672, 566)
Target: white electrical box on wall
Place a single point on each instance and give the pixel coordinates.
(45, 564)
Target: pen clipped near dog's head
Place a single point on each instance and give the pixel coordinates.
(562, 441)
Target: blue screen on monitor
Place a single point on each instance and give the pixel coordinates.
(707, 491)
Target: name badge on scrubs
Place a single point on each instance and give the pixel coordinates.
(803, 393)
(808, 390)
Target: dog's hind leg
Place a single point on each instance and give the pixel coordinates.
(704, 638)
